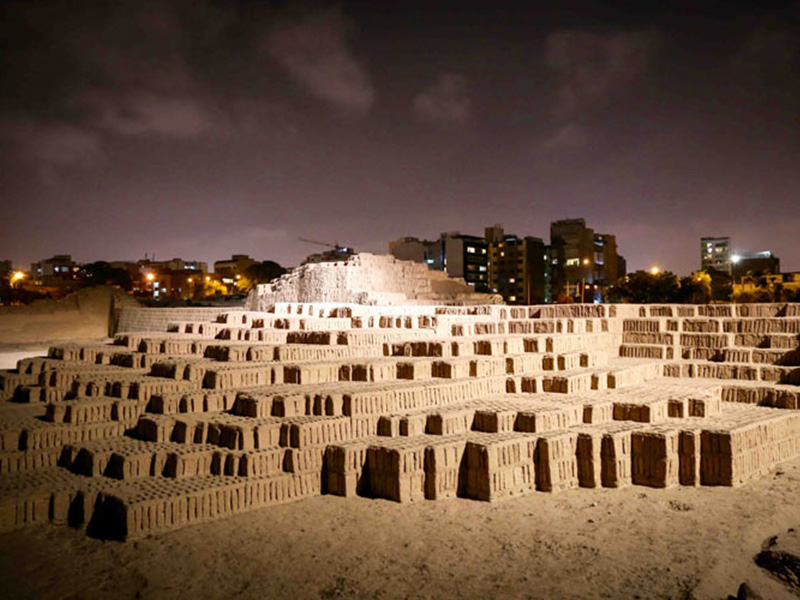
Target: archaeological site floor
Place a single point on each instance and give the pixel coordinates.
(160, 430)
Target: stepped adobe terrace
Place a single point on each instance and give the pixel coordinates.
(159, 430)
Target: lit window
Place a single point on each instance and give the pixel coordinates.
(482, 268)
(512, 280)
(483, 250)
(470, 250)
(502, 254)
(512, 298)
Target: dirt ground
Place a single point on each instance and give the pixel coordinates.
(636, 542)
(631, 543)
(11, 353)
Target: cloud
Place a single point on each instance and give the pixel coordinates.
(445, 101)
(314, 50)
(767, 53)
(569, 138)
(53, 144)
(138, 112)
(593, 66)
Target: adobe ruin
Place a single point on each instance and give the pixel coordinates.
(406, 399)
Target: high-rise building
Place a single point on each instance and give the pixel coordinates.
(421, 251)
(584, 263)
(457, 254)
(518, 267)
(6, 267)
(715, 253)
(466, 256)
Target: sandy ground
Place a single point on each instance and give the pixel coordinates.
(11, 353)
(631, 543)
(681, 543)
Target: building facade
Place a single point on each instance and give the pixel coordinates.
(175, 278)
(584, 263)
(457, 254)
(57, 271)
(744, 263)
(236, 265)
(715, 253)
(518, 267)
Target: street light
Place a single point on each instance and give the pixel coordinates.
(17, 276)
(655, 270)
(583, 287)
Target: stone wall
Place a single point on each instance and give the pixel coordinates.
(83, 315)
(137, 318)
(367, 279)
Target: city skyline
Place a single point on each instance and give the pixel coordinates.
(239, 128)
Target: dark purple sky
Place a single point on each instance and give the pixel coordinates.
(201, 128)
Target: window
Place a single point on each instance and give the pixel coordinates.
(512, 280)
(471, 249)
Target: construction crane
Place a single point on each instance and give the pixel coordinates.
(335, 246)
(337, 253)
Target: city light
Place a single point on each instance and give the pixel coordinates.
(735, 258)
(586, 262)
(655, 270)
(17, 276)
(150, 277)
(208, 278)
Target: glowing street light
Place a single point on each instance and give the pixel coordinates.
(583, 287)
(150, 277)
(17, 276)
(655, 270)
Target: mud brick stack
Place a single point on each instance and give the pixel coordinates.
(391, 395)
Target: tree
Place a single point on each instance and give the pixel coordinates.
(721, 285)
(695, 289)
(213, 287)
(102, 273)
(644, 287)
(264, 272)
(261, 272)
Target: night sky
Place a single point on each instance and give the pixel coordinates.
(199, 129)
